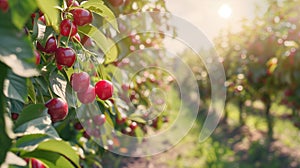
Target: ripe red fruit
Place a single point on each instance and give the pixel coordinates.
(99, 119)
(37, 57)
(67, 28)
(35, 163)
(78, 126)
(42, 19)
(50, 46)
(116, 3)
(133, 125)
(14, 116)
(122, 119)
(59, 67)
(4, 5)
(80, 82)
(77, 37)
(88, 96)
(65, 56)
(82, 16)
(104, 89)
(72, 3)
(57, 108)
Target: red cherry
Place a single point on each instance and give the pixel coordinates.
(68, 28)
(80, 82)
(59, 67)
(57, 108)
(86, 41)
(122, 119)
(77, 37)
(82, 16)
(88, 96)
(35, 163)
(37, 57)
(65, 56)
(51, 45)
(4, 5)
(133, 125)
(99, 119)
(42, 19)
(72, 3)
(116, 3)
(14, 116)
(104, 89)
(78, 126)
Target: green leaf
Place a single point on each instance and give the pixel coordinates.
(50, 11)
(108, 118)
(21, 11)
(139, 134)
(137, 119)
(31, 112)
(108, 47)
(51, 159)
(62, 148)
(5, 140)
(16, 51)
(31, 91)
(15, 87)
(98, 7)
(30, 142)
(40, 125)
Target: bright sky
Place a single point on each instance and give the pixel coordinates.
(211, 16)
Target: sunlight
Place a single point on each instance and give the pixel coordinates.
(225, 11)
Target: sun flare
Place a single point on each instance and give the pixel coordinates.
(225, 11)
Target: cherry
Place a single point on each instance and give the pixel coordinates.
(78, 126)
(57, 108)
(133, 125)
(77, 37)
(86, 41)
(82, 16)
(72, 3)
(116, 3)
(68, 28)
(4, 5)
(65, 56)
(99, 119)
(104, 89)
(50, 46)
(80, 82)
(122, 119)
(37, 57)
(59, 67)
(42, 19)
(35, 163)
(14, 116)
(88, 96)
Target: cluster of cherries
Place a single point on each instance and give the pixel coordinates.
(86, 93)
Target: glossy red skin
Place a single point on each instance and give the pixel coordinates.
(72, 3)
(104, 89)
(121, 120)
(42, 19)
(4, 6)
(77, 37)
(51, 45)
(116, 3)
(99, 119)
(133, 125)
(37, 57)
(65, 28)
(88, 96)
(80, 82)
(78, 126)
(65, 56)
(14, 116)
(59, 67)
(35, 163)
(82, 16)
(57, 108)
